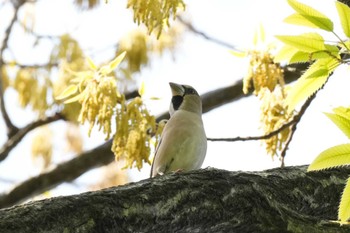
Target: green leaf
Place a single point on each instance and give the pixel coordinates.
(142, 88)
(305, 87)
(333, 50)
(307, 42)
(107, 69)
(344, 15)
(309, 21)
(340, 121)
(74, 98)
(70, 90)
(332, 157)
(259, 35)
(345, 45)
(300, 57)
(262, 33)
(239, 54)
(311, 81)
(344, 206)
(91, 64)
(291, 54)
(284, 54)
(342, 111)
(113, 64)
(308, 16)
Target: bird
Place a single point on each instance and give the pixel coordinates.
(183, 142)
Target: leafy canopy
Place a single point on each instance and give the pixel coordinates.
(324, 57)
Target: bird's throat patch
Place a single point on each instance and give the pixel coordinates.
(177, 101)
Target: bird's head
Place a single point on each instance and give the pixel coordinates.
(184, 98)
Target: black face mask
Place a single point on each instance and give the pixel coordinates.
(177, 101)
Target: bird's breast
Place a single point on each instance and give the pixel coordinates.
(186, 142)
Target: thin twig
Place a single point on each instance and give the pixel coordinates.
(32, 66)
(294, 126)
(11, 129)
(19, 135)
(254, 138)
(293, 123)
(204, 35)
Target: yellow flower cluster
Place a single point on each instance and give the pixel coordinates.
(68, 50)
(70, 110)
(155, 13)
(273, 115)
(26, 84)
(71, 59)
(135, 46)
(97, 93)
(268, 82)
(42, 146)
(263, 72)
(138, 47)
(98, 98)
(169, 39)
(135, 127)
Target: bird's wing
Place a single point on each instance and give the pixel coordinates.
(178, 134)
(155, 156)
(167, 151)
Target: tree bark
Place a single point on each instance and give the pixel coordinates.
(209, 200)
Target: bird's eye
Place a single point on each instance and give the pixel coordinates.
(190, 91)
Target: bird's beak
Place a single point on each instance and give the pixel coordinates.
(176, 89)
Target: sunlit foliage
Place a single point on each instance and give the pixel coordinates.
(135, 127)
(26, 82)
(324, 57)
(42, 147)
(155, 14)
(267, 79)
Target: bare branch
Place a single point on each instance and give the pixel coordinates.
(64, 172)
(20, 133)
(11, 129)
(297, 119)
(34, 66)
(292, 123)
(253, 138)
(204, 35)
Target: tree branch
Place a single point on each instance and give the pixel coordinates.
(254, 138)
(65, 172)
(210, 100)
(11, 129)
(296, 119)
(191, 28)
(208, 200)
(19, 135)
(293, 123)
(33, 66)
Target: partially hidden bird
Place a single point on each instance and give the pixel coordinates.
(183, 143)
